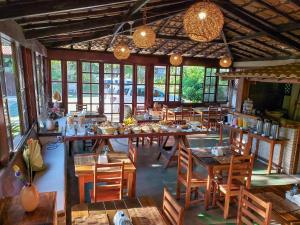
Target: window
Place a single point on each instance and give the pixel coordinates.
(56, 77)
(112, 92)
(128, 89)
(192, 84)
(72, 85)
(13, 93)
(90, 85)
(210, 84)
(174, 84)
(141, 85)
(159, 83)
(222, 93)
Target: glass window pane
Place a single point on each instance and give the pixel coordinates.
(107, 68)
(95, 68)
(86, 98)
(86, 88)
(128, 71)
(141, 74)
(72, 71)
(56, 86)
(86, 67)
(95, 78)
(86, 78)
(72, 92)
(56, 71)
(71, 107)
(192, 81)
(95, 88)
(160, 74)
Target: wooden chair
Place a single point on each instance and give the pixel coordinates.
(187, 178)
(240, 172)
(186, 113)
(132, 153)
(108, 182)
(236, 142)
(252, 209)
(81, 107)
(212, 119)
(165, 112)
(172, 211)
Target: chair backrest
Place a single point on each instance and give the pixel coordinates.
(214, 113)
(140, 110)
(252, 209)
(81, 107)
(132, 154)
(240, 171)
(185, 163)
(236, 142)
(172, 211)
(108, 178)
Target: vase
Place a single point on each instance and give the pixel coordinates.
(29, 197)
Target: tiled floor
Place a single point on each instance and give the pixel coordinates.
(151, 178)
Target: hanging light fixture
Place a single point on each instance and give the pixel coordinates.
(225, 61)
(121, 51)
(203, 21)
(144, 36)
(175, 59)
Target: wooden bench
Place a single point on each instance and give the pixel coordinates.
(53, 179)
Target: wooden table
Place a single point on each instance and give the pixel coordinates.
(283, 210)
(204, 158)
(203, 112)
(272, 143)
(84, 170)
(104, 139)
(142, 211)
(175, 113)
(12, 213)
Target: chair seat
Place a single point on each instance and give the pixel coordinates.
(235, 188)
(196, 180)
(109, 195)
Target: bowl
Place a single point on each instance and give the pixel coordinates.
(108, 130)
(136, 130)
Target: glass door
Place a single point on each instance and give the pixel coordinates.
(112, 92)
(141, 86)
(128, 90)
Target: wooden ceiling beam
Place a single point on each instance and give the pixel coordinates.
(247, 51)
(261, 25)
(135, 8)
(97, 35)
(226, 44)
(18, 10)
(69, 27)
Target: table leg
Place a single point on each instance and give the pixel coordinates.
(210, 177)
(256, 147)
(280, 158)
(70, 146)
(81, 188)
(108, 143)
(221, 135)
(131, 183)
(272, 146)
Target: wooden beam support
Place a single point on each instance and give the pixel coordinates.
(135, 8)
(18, 10)
(261, 25)
(226, 44)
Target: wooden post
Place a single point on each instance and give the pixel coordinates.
(242, 93)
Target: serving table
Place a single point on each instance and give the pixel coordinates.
(12, 213)
(142, 211)
(85, 172)
(203, 157)
(180, 137)
(283, 210)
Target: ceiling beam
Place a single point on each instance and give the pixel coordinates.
(97, 35)
(261, 25)
(68, 27)
(226, 44)
(18, 10)
(133, 10)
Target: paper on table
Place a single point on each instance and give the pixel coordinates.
(293, 198)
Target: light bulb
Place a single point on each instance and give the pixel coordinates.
(225, 61)
(202, 15)
(175, 57)
(143, 33)
(122, 49)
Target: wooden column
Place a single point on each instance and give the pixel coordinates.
(149, 85)
(242, 93)
(29, 85)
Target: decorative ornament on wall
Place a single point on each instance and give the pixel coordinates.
(225, 61)
(122, 51)
(144, 36)
(176, 59)
(203, 21)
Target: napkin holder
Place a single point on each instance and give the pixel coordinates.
(121, 219)
(217, 151)
(102, 159)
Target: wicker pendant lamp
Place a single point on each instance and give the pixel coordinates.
(144, 36)
(121, 51)
(225, 61)
(203, 21)
(176, 59)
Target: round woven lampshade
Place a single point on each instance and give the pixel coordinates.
(203, 21)
(175, 59)
(144, 37)
(225, 61)
(121, 52)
